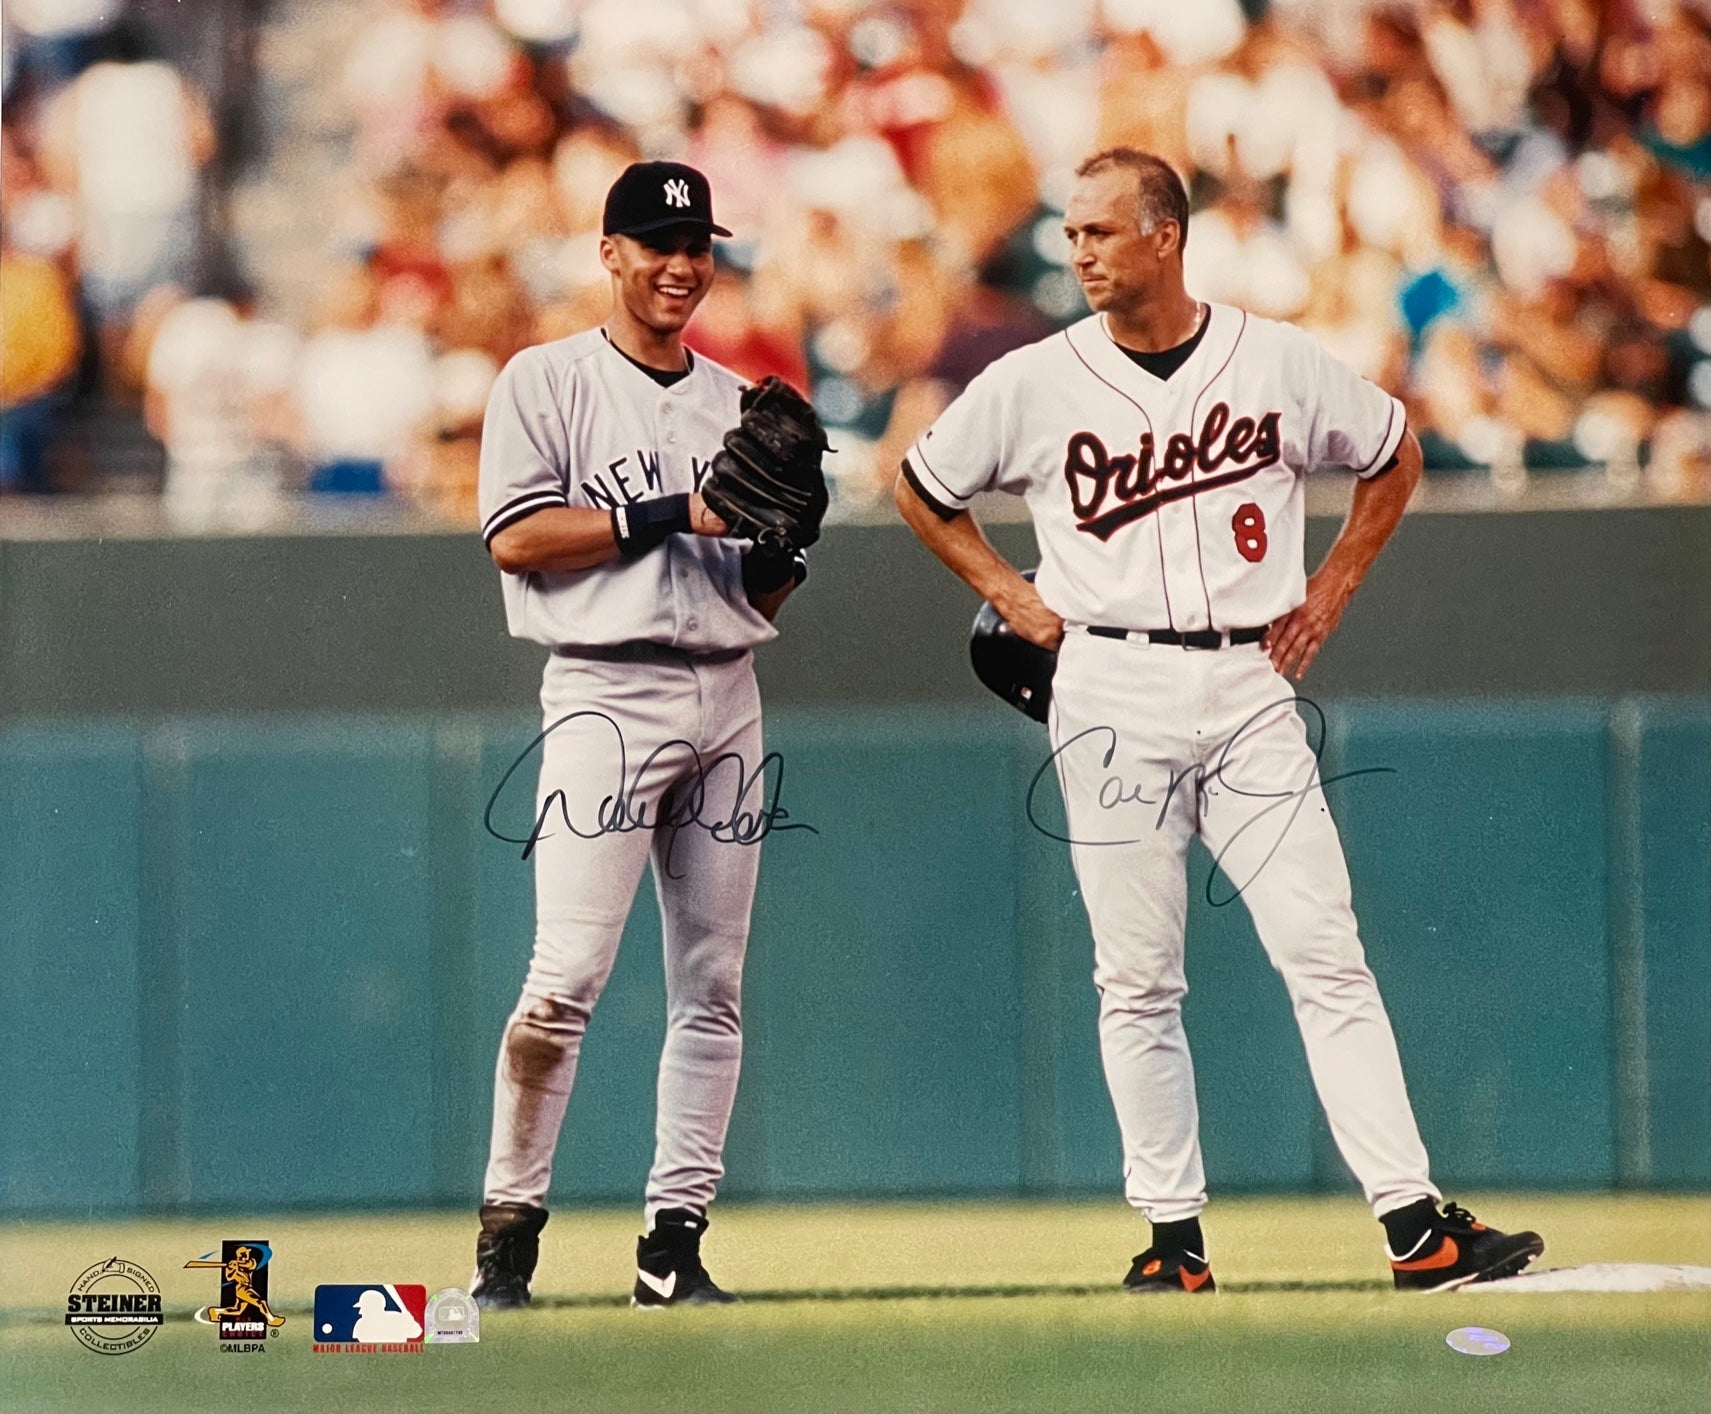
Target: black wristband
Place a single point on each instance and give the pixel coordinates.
(640, 526)
(767, 571)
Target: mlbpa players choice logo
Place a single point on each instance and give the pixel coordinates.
(377, 1318)
(242, 1316)
(114, 1307)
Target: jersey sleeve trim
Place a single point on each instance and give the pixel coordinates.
(1394, 429)
(519, 508)
(932, 502)
(928, 486)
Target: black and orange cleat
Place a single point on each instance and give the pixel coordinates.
(1457, 1249)
(1156, 1270)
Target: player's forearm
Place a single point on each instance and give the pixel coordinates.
(557, 539)
(1378, 508)
(961, 546)
(560, 539)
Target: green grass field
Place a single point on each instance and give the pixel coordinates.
(908, 1307)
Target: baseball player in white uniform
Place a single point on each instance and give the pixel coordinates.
(1161, 446)
(591, 456)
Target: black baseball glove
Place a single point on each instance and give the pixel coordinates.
(766, 483)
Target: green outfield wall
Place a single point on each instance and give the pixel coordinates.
(1601, 602)
(260, 960)
(257, 946)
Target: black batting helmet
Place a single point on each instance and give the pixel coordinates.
(1018, 671)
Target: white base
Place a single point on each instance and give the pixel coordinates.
(1603, 1276)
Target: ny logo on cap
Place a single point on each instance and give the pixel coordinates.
(677, 192)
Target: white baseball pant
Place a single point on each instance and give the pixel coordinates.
(1155, 743)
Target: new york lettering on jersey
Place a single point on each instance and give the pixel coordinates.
(651, 743)
(635, 476)
(1162, 502)
(576, 423)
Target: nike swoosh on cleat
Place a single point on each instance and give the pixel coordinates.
(663, 1287)
(1445, 1256)
(1395, 1257)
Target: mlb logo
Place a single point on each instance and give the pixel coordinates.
(376, 1314)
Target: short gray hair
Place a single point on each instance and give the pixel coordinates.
(1160, 196)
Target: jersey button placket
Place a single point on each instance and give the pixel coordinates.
(676, 585)
(685, 596)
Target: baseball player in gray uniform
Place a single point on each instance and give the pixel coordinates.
(1161, 445)
(591, 456)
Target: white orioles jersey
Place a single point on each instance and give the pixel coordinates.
(575, 423)
(1162, 504)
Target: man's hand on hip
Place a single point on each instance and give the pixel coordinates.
(1026, 613)
(1295, 639)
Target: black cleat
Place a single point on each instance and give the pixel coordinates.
(1457, 1250)
(1154, 1270)
(505, 1255)
(668, 1264)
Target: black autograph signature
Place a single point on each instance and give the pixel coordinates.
(1114, 791)
(748, 821)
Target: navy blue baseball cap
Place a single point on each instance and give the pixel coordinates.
(653, 196)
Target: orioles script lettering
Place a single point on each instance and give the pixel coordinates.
(1108, 492)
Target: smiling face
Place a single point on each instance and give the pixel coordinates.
(1120, 266)
(661, 277)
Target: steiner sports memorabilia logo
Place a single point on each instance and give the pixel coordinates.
(1108, 492)
(114, 1307)
(243, 1318)
(376, 1318)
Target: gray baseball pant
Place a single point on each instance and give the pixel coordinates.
(643, 743)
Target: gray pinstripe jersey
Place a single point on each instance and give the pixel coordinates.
(575, 423)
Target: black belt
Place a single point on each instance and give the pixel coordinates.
(644, 651)
(1176, 638)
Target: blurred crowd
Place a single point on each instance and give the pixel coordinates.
(1498, 209)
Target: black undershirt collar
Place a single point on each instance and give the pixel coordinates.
(665, 377)
(1166, 361)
